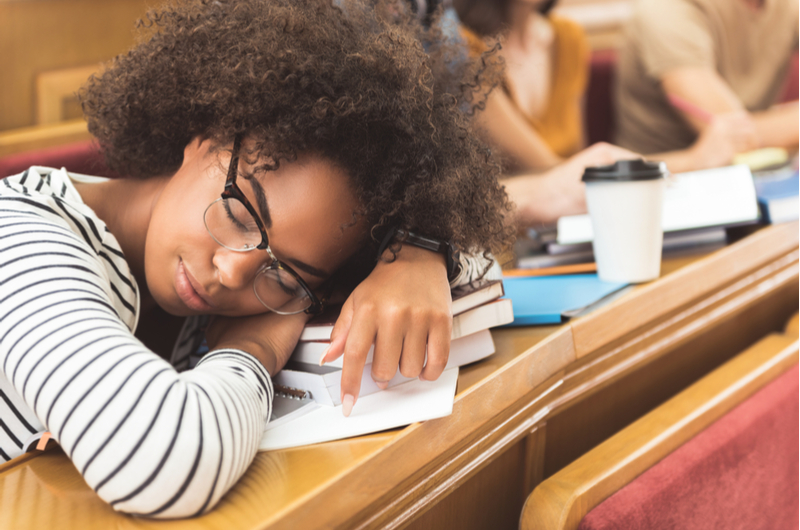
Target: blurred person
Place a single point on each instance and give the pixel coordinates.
(692, 66)
(534, 118)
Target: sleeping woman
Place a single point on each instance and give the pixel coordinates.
(272, 150)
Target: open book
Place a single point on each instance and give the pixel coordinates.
(324, 382)
(394, 407)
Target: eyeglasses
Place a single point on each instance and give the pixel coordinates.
(234, 224)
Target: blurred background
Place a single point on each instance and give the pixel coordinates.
(48, 48)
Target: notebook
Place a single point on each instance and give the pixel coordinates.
(553, 299)
(722, 196)
(394, 407)
(778, 197)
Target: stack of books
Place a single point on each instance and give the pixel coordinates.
(778, 196)
(476, 308)
(307, 404)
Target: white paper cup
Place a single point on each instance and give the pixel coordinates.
(625, 203)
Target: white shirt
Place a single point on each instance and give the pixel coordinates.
(147, 439)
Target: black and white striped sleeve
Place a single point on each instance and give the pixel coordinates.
(149, 440)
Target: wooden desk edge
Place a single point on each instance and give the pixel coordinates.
(563, 500)
(659, 298)
(433, 447)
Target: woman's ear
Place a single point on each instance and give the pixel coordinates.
(198, 146)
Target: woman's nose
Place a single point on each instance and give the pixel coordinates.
(236, 270)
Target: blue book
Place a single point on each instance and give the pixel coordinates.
(550, 299)
(778, 198)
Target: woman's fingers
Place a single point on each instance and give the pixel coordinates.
(413, 358)
(339, 333)
(438, 349)
(359, 340)
(388, 347)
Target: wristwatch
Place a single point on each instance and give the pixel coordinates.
(451, 255)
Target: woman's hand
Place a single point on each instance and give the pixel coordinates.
(268, 337)
(403, 308)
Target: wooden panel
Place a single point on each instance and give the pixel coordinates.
(562, 501)
(56, 93)
(657, 299)
(43, 136)
(534, 463)
(606, 405)
(42, 35)
(46, 491)
(792, 326)
(493, 498)
(602, 20)
(428, 461)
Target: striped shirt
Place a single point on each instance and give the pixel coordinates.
(148, 439)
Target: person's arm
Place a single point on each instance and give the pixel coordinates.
(150, 441)
(543, 198)
(718, 142)
(703, 89)
(508, 130)
(778, 125)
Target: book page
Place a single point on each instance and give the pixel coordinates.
(697, 199)
(394, 407)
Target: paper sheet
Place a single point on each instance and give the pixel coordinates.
(397, 406)
(713, 197)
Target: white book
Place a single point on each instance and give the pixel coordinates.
(722, 196)
(465, 297)
(394, 407)
(489, 315)
(470, 349)
(324, 382)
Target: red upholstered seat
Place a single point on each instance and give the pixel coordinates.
(81, 157)
(599, 108)
(740, 473)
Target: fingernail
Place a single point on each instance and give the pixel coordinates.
(324, 354)
(383, 385)
(347, 404)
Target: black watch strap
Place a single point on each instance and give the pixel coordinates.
(428, 243)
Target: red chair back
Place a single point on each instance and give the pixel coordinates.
(82, 157)
(741, 472)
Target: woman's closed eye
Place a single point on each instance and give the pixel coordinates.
(288, 289)
(239, 216)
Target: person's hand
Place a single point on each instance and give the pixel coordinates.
(724, 137)
(268, 337)
(545, 197)
(403, 308)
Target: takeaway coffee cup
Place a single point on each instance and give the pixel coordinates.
(625, 202)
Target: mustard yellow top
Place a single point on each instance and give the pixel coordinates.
(561, 125)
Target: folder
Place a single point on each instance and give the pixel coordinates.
(553, 299)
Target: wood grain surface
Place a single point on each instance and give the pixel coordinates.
(546, 397)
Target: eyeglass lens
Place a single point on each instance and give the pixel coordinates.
(281, 292)
(233, 227)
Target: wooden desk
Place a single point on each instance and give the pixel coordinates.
(547, 396)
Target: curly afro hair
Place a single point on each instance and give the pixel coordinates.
(361, 84)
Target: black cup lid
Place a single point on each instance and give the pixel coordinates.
(626, 170)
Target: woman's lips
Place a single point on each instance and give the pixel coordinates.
(187, 292)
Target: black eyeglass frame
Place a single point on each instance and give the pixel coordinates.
(232, 191)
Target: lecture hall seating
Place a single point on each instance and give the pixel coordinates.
(740, 471)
